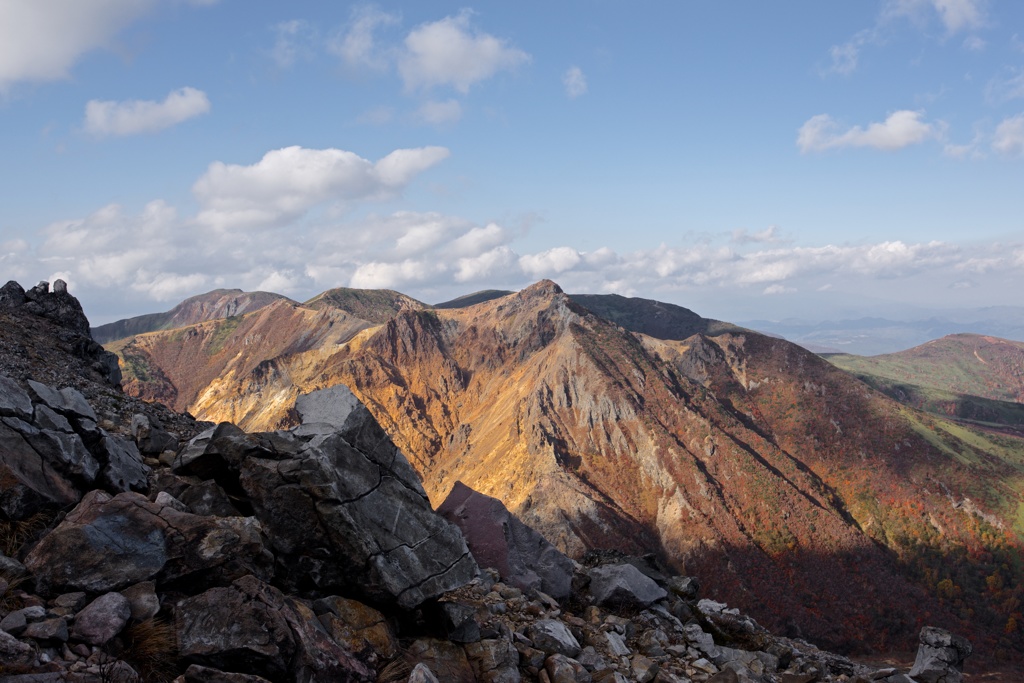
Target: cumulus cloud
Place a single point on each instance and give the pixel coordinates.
(439, 113)
(133, 117)
(450, 52)
(900, 129)
(551, 262)
(287, 182)
(1009, 136)
(357, 44)
(575, 82)
(40, 41)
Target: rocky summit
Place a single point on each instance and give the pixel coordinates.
(139, 545)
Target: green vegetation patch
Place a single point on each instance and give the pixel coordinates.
(222, 332)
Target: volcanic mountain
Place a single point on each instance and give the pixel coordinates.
(789, 486)
(220, 303)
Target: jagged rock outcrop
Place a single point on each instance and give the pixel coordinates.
(342, 506)
(940, 657)
(63, 309)
(51, 449)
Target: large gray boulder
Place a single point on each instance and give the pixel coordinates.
(30, 481)
(342, 507)
(498, 539)
(107, 543)
(623, 585)
(940, 657)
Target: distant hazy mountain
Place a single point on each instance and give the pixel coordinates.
(473, 299)
(872, 336)
(220, 303)
(653, 318)
(789, 486)
(968, 376)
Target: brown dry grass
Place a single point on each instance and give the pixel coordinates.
(151, 647)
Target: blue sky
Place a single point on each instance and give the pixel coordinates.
(743, 159)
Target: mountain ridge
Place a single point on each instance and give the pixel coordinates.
(212, 305)
(728, 453)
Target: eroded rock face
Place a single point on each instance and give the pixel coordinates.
(498, 539)
(341, 505)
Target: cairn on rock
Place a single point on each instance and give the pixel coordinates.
(65, 310)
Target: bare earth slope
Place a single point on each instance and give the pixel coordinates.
(789, 486)
(220, 303)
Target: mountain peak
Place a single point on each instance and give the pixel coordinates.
(542, 288)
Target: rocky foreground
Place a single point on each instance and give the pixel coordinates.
(140, 546)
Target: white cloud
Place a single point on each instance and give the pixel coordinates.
(357, 44)
(974, 43)
(845, 57)
(575, 82)
(479, 240)
(551, 262)
(287, 182)
(450, 52)
(40, 41)
(439, 113)
(900, 129)
(956, 16)
(1009, 86)
(376, 275)
(744, 236)
(1009, 136)
(497, 263)
(294, 41)
(133, 117)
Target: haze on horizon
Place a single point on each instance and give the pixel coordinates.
(812, 159)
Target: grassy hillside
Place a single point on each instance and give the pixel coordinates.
(961, 364)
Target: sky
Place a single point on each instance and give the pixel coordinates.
(743, 159)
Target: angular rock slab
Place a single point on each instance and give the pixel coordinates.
(553, 637)
(623, 584)
(341, 505)
(28, 481)
(250, 627)
(498, 539)
(107, 543)
(102, 619)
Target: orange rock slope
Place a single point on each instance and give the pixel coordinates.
(790, 487)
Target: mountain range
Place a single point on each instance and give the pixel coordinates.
(822, 506)
(874, 335)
